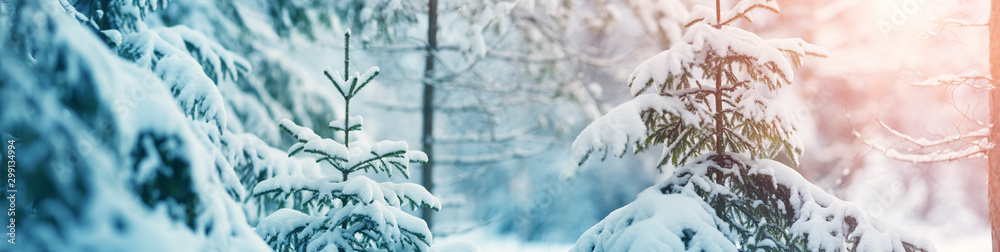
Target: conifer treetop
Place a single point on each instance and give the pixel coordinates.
(347, 211)
(711, 86)
(706, 101)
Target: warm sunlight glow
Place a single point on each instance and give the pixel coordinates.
(500, 125)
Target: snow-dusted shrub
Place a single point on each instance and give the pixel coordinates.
(343, 209)
(704, 100)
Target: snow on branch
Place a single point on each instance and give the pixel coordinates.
(353, 227)
(657, 222)
(668, 67)
(758, 117)
(255, 161)
(288, 228)
(965, 145)
(350, 86)
(742, 10)
(974, 136)
(831, 224)
(217, 62)
(387, 228)
(623, 127)
(354, 124)
(357, 190)
(196, 92)
(969, 79)
(384, 156)
(937, 27)
(329, 151)
(768, 206)
(681, 66)
(361, 212)
(796, 48)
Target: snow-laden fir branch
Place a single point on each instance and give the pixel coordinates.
(623, 127)
(383, 156)
(324, 192)
(152, 171)
(193, 88)
(763, 60)
(770, 207)
(368, 226)
(703, 14)
(217, 62)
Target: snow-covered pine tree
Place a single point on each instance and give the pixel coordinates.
(110, 159)
(705, 101)
(345, 211)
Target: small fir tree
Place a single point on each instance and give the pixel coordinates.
(344, 212)
(704, 100)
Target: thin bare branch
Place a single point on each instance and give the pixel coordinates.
(969, 79)
(924, 143)
(974, 151)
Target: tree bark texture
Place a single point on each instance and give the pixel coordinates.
(428, 107)
(994, 152)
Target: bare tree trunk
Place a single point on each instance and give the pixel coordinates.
(428, 106)
(994, 153)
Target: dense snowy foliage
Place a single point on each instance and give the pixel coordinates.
(708, 109)
(681, 83)
(109, 160)
(769, 206)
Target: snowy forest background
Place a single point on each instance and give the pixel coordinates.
(104, 97)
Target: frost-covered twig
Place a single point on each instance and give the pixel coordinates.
(937, 27)
(969, 79)
(934, 150)
(975, 142)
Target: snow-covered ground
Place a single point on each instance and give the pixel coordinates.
(974, 239)
(485, 241)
